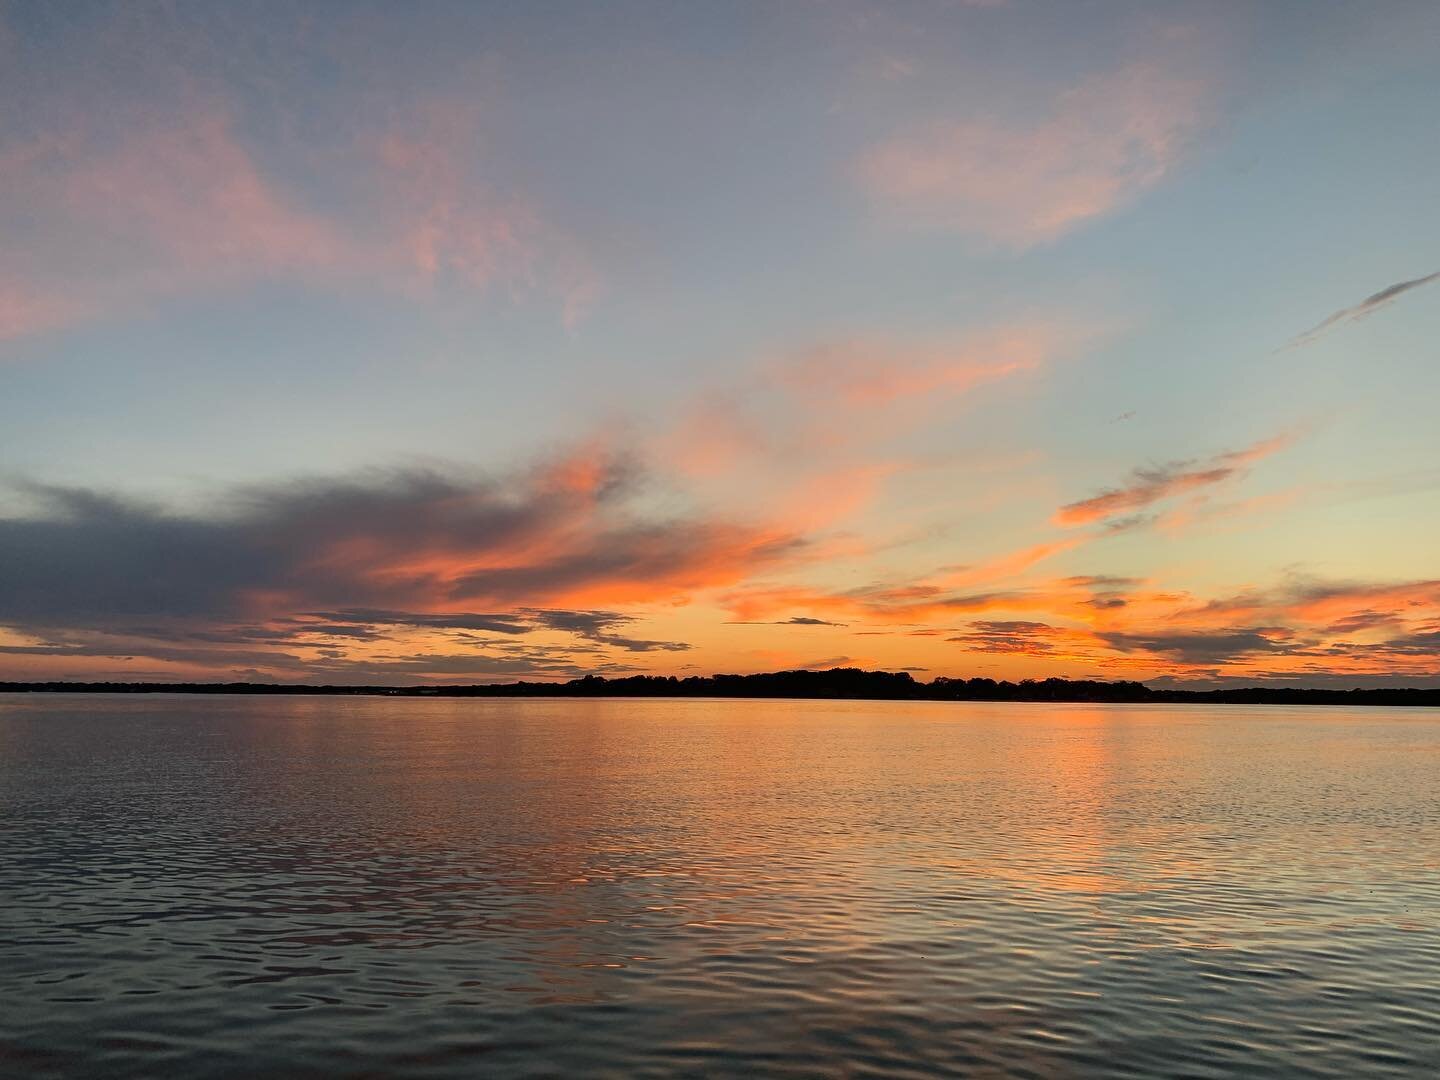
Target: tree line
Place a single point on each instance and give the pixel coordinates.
(836, 683)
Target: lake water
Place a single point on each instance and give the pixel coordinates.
(295, 887)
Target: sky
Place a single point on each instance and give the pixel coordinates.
(472, 342)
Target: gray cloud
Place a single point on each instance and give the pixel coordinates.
(89, 557)
(501, 623)
(597, 626)
(150, 651)
(798, 620)
(1150, 485)
(323, 562)
(1308, 680)
(1368, 306)
(1101, 581)
(1202, 647)
(600, 626)
(1007, 636)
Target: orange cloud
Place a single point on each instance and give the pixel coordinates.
(1008, 565)
(807, 400)
(1121, 626)
(714, 436)
(822, 499)
(1103, 143)
(1322, 603)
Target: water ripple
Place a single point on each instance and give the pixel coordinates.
(360, 887)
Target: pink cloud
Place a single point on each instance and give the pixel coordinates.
(1102, 144)
(451, 227)
(197, 199)
(178, 204)
(875, 372)
(183, 202)
(25, 310)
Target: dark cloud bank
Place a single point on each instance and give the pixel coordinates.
(262, 570)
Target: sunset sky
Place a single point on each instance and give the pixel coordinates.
(400, 343)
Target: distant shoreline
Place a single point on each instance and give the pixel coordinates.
(835, 684)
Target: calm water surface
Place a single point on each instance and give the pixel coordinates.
(295, 887)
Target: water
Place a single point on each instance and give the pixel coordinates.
(291, 887)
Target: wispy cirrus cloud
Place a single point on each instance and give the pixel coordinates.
(171, 205)
(188, 191)
(808, 431)
(26, 309)
(1022, 182)
(1343, 606)
(454, 229)
(185, 200)
(1149, 485)
(1368, 306)
(875, 373)
(852, 391)
(1007, 565)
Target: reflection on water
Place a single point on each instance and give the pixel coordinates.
(306, 887)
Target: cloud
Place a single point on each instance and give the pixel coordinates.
(1009, 636)
(1008, 565)
(26, 310)
(167, 654)
(502, 623)
(797, 620)
(197, 199)
(533, 664)
(1022, 183)
(849, 392)
(453, 229)
(1128, 629)
(874, 372)
(600, 627)
(827, 663)
(415, 548)
(1279, 678)
(1319, 628)
(1368, 306)
(808, 429)
(1150, 485)
(1203, 647)
(1324, 603)
(910, 602)
(101, 219)
(596, 626)
(109, 213)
